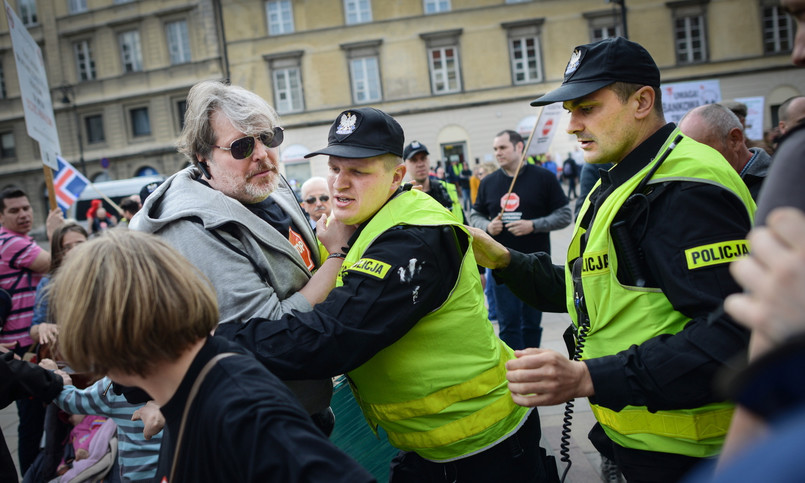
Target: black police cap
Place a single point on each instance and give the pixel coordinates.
(364, 132)
(413, 148)
(597, 65)
(146, 190)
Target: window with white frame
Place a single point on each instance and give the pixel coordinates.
(603, 24)
(178, 41)
(93, 125)
(365, 80)
(85, 66)
(28, 14)
(364, 70)
(288, 90)
(130, 52)
(357, 11)
(689, 37)
(279, 14)
(607, 32)
(436, 6)
(690, 33)
(76, 6)
(7, 146)
(525, 55)
(443, 61)
(286, 77)
(140, 122)
(778, 30)
(444, 70)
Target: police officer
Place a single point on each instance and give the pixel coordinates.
(407, 323)
(647, 268)
(417, 164)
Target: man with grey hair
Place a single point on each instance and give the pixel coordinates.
(719, 128)
(738, 108)
(237, 220)
(316, 199)
(741, 110)
(791, 113)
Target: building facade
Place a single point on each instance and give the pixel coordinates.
(456, 72)
(119, 72)
(453, 72)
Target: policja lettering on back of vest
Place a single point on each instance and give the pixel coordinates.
(595, 263)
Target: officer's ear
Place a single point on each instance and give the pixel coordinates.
(399, 175)
(644, 101)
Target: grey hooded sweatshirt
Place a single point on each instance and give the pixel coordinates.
(255, 270)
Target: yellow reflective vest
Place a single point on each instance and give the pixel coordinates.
(441, 389)
(621, 316)
(453, 193)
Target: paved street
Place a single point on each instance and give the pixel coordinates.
(8, 421)
(585, 459)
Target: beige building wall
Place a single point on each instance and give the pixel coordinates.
(159, 87)
(489, 99)
(321, 44)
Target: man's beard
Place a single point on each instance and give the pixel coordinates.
(261, 191)
(254, 192)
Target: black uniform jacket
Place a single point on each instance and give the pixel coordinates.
(18, 380)
(366, 314)
(667, 371)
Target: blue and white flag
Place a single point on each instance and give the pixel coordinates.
(68, 184)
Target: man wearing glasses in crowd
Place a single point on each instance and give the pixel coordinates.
(316, 199)
(237, 220)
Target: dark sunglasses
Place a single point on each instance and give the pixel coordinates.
(244, 147)
(312, 199)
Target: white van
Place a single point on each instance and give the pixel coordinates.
(115, 190)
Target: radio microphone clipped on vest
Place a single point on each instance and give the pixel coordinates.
(581, 334)
(629, 254)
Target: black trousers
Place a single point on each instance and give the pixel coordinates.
(519, 459)
(8, 470)
(639, 466)
(31, 413)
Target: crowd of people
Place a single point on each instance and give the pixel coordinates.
(211, 326)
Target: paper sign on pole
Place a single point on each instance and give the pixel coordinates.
(681, 97)
(546, 129)
(754, 116)
(34, 90)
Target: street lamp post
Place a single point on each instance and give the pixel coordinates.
(68, 98)
(622, 3)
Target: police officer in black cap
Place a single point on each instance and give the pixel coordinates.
(407, 323)
(417, 165)
(646, 273)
